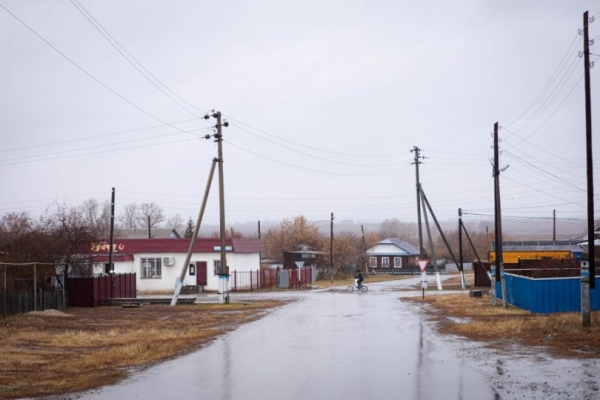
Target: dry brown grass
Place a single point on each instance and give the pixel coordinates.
(475, 318)
(45, 355)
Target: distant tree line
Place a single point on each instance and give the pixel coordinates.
(62, 233)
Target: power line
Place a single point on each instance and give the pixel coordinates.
(3, 164)
(114, 92)
(313, 156)
(516, 217)
(309, 169)
(133, 61)
(547, 85)
(524, 140)
(311, 147)
(547, 194)
(533, 166)
(553, 94)
(96, 136)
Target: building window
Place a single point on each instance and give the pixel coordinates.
(151, 268)
(217, 265)
(397, 262)
(192, 270)
(385, 262)
(373, 262)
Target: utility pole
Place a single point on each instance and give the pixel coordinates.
(460, 246)
(260, 253)
(588, 278)
(149, 229)
(223, 268)
(554, 228)
(498, 220)
(416, 162)
(363, 251)
(194, 237)
(111, 267)
(112, 231)
(331, 248)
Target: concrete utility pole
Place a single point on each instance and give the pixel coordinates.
(588, 278)
(460, 245)
(194, 237)
(417, 161)
(223, 268)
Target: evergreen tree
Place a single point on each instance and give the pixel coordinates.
(189, 229)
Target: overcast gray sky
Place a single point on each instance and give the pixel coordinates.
(325, 100)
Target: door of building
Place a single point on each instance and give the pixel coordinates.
(201, 273)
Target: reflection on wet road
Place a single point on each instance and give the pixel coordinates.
(327, 345)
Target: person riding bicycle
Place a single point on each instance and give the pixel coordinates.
(359, 278)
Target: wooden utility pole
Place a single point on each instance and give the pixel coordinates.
(417, 161)
(498, 219)
(588, 278)
(112, 232)
(554, 228)
(331, 248)
(111, 267)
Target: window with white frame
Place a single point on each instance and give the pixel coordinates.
(373, 262)
(397, 262)
(217, 265)
(385, 262)
(151, 268)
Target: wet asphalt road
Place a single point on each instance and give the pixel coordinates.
(327, 345)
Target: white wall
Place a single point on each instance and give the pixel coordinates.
(170, 274)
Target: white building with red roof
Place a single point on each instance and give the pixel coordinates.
(158, 262)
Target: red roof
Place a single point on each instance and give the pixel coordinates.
(202, 245)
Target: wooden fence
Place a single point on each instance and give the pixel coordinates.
(94, 292)
(32, 301)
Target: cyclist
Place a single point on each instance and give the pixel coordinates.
(359, 278)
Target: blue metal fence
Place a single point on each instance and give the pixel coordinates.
(546, 295)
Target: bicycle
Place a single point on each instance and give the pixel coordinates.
(361, 288)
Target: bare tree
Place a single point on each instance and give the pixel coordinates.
(175, 222)
(97, 216)
(149, 215)
(129, 216)
(57, 238)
